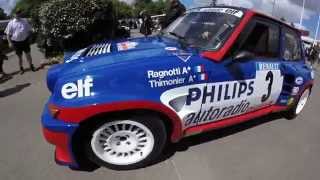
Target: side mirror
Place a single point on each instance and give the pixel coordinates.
(244, 56)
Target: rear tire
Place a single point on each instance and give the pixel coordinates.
(126, 144)
(297, 108)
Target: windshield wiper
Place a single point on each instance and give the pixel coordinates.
(177, 36)
(182, 40)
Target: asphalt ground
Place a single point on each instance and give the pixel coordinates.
(265, 148)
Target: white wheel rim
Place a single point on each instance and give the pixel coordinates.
(302, 101)
(122, 142)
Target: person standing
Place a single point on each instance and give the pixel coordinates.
(2, 58)
(175, 10)
(146, 26)
(318, 58)
(18, 33)
(313, 54)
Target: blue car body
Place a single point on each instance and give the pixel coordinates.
(160, 73)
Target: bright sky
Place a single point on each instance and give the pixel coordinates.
(7, 5)
(290, 9)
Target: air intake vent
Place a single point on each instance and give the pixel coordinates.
(99, 49)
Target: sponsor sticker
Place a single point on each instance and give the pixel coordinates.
(76, 55)
(79, 89)
(228, 11)
(217, 92)
(267, 66)
(216, 113)
(202, 103)
(299, 81)
(219, 101)
(184, 56)
(171, 48)
(176, 76)
(124, 46)
(295, 91)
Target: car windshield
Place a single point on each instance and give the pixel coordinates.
(205, 28)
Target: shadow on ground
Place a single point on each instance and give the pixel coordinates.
(47, 65)
(14, 90)
(4, 79)
(185, 143)
(19, 72)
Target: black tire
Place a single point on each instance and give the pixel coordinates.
(291, 112)
(156, 127)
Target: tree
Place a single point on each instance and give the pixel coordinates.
(157, 7)
(143, 1)
(3, 15)
(28, 7)
(123, 10)
(76, 23)
(61, 18)
(152, 7)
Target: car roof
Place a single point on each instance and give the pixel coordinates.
(272, 18)
(256, 12)
(221, 6)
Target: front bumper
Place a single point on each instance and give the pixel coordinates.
(59, 133)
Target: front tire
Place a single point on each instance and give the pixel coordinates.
(126, 144)
(297, 108)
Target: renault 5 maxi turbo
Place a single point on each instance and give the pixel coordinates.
(118, 103)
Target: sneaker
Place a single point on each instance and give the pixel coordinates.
(22, 71)
(4, 76)
(32, 68)
(42, 66)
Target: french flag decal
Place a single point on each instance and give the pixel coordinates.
(203, 77)
(199, 69)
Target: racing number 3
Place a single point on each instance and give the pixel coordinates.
(269, 78)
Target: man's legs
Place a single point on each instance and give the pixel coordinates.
(20, 63)
(27, 51)
(1, 66)
(17, 47)
(29, 59)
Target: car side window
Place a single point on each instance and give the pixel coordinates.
(292, 46)
(260, 38)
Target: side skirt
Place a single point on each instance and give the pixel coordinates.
(232, 121)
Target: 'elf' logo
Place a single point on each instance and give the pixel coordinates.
(80, 89)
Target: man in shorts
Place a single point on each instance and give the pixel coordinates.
(2, 58)
(18, 32)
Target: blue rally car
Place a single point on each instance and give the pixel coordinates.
(118, 103)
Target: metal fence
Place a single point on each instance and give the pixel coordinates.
(3, 24)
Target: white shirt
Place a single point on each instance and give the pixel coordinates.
(18, 29)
